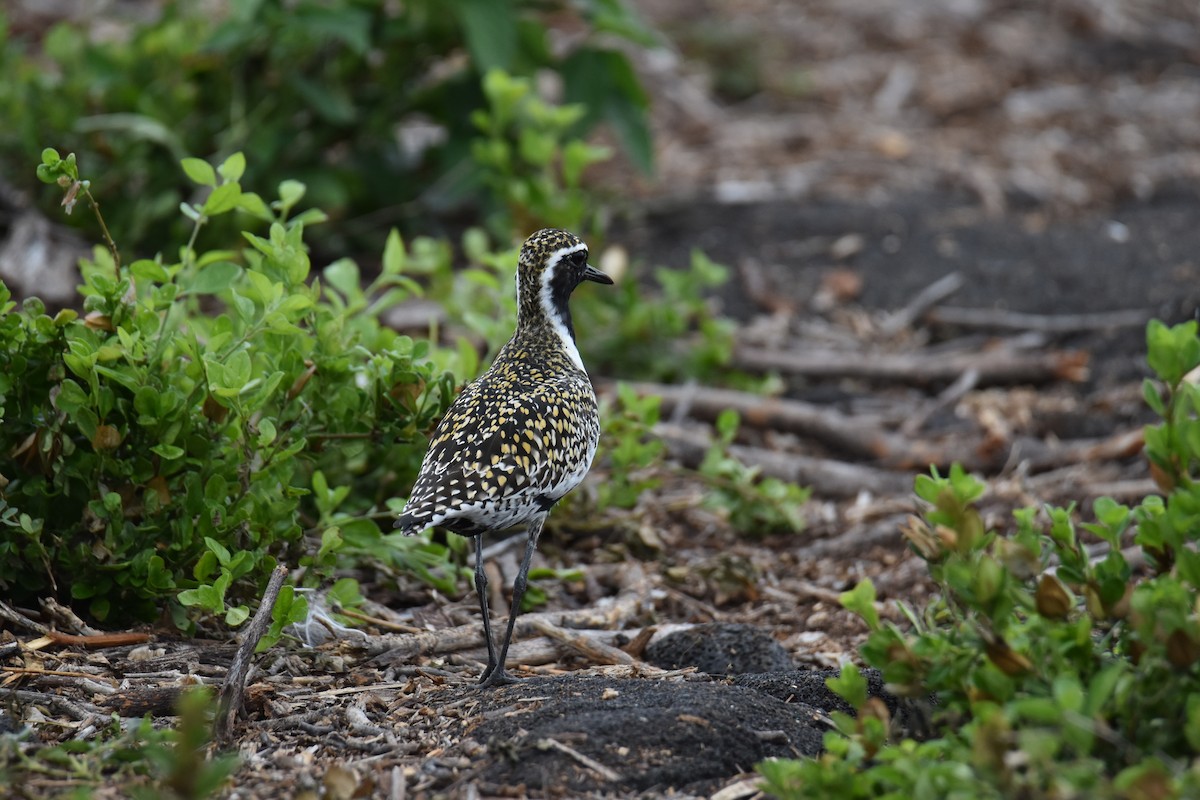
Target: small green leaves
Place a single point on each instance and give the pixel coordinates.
(861, 600)
(199, 171)
(1172, 351)
(215, 277)
(233, 168)
(290, 608)
(850, 685)
(55, 169)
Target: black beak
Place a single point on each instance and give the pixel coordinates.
(593, 274)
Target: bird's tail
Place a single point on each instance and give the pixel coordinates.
(410, 525)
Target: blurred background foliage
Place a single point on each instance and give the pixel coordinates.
(367, 102)
(226, 346)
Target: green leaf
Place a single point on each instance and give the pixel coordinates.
(223, 198)
(605, 83)
(134, 126)
(215, 277)
(345, 593)
(490, 28)
(861, 601)
(218, 549)
(290, 193)
(1153, 397)
(145, 269)
(189, 597)
(266, 432)
(1191, 728)
(343, 275)
(233, 168)
(850, 685)
(238, 369)
(254, 205)
(1173, 351)
(236, 616)
(167, 451)
(199, 171)
(394, 256)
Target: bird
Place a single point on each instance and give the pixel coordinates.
(522, 435)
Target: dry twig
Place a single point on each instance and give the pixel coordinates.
(1001, 365)
(587, 646)
(1001, 319)
(235, 680)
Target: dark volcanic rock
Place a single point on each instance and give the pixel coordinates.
(654, 734)
(720, 648)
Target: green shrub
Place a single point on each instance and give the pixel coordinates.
(1057, 673)
(208, 415)
(315, 90)
(528, 159)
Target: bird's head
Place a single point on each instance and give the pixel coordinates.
(552, 263)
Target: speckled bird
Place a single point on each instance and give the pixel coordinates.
(521, 436)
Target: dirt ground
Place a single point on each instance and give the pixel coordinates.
(949, 221)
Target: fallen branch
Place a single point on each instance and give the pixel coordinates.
(1041, 456)
(235, 680)
(848, 434)
(77, 710)
(393, 648)
(1003, 320)
(996, 366)
(824, 476)
(589, 647)
(99, 640)
(157, 701)
(18, 620)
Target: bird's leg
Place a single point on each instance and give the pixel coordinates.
(481, 583)
(496, 676)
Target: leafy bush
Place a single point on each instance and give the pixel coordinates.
(527, 159)
(179, 437)
(367, 102)
(1058, 673)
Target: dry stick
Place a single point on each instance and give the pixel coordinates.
(77, 710)
(1041, 457)
(996, 366)
(825, 477)
(999, 319)
(604, 772)
(537, 652)
(99, 640)
(394, 648)
(65, 617)
(947, 397)
(589, 647)
(235, 681)
(929, 297)
(18, 620)
(854, 436)
(854, 541)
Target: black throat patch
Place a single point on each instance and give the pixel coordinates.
(562, 283)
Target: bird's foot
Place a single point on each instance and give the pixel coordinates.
(497, 677)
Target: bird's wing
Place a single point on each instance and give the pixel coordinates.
(525, 451)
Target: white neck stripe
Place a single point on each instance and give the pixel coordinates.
(557, 324)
